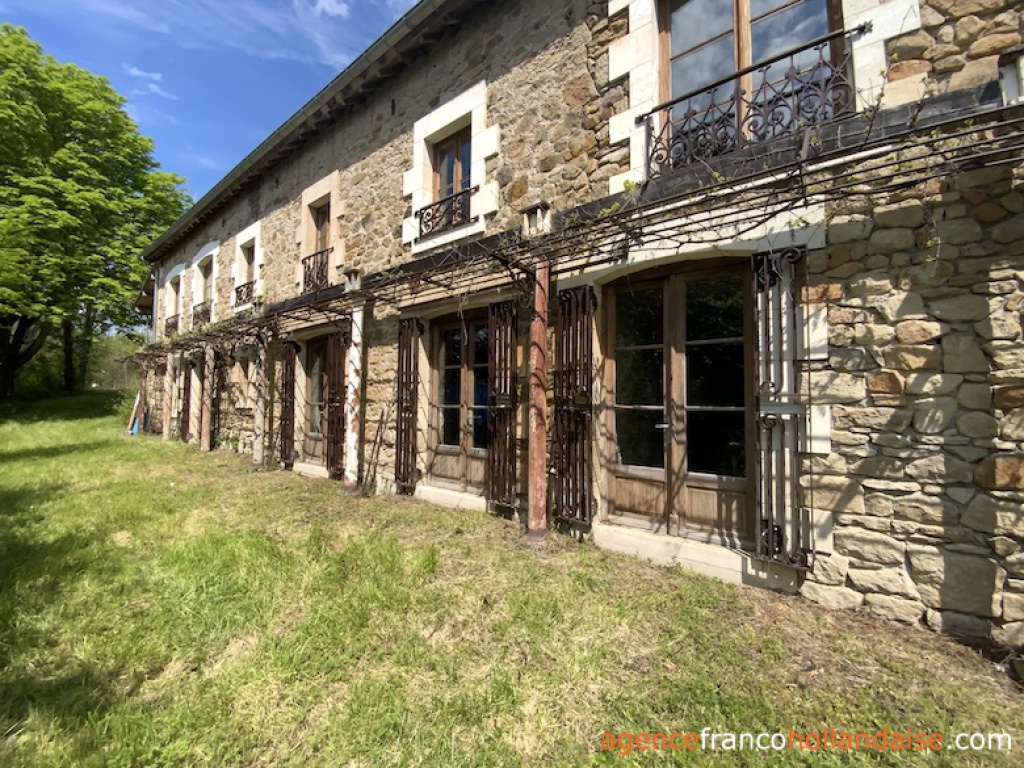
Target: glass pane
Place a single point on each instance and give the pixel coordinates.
(694, 21)
(702, 67)
(761, 7)
(641, 443)
(480, 389)
(716, 443)
(449, 426)
(446, 171)
(714, 308)
(481, 349)
(714, 374)
(786, 29)
(638, 318)
(451, 380)
(479, 427)
(452, 341)
(464, 163)
(639, 377)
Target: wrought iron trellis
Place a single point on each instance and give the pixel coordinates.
(338, 343)
(573, 415)
(780, 416)
(808, 85)
(289, 355)
(503, 398)
(406, 471)
(447, 213)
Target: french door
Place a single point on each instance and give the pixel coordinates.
(680, 402)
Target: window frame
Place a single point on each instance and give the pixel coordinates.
(467, 324)
(741, 28)
(461, 177)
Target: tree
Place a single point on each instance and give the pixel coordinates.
(80, 196)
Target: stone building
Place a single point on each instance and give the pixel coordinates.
(731, 283)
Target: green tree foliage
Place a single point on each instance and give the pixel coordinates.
(80, 196)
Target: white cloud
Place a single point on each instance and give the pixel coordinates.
(145, 115)
(156, 90)
(134, 71)
(331, 8)
(327, 32)
(206, 162)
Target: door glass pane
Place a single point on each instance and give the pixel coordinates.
(451, 381)
(639, 377)
(450, 426)
(481, 349)
(479, 427)
(638, 318)
(694, 21)
(452, 341)
(714, 374)
(716, 443)
(714, 309)
(480, 389)
(316, 388)
(641, 443)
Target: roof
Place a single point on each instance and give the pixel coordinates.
(421, 27)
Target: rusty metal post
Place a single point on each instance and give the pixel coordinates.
(259, 427)
(168, 396)
(206, 406)
(537, 510)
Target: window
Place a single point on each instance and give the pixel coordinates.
(248, 262)
(206, 275)
(701, 332)
(321, 226)
(710, 39)
(462, 387)
(176, 296)
(452, 187)
(639, 377)
(316, 379)
(449, 192)
(714, 364)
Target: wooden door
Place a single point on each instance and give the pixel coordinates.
(315, 412)
(680, 403)
(461, 402)
(288, 405)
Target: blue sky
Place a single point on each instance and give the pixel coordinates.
(207, 79)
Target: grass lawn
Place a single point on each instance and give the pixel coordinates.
(159, 606)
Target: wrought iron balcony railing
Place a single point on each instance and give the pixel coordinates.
(244, 293)
(314, 271)
(201, 314)
(808, 85)
(171, 325)
(447, 213)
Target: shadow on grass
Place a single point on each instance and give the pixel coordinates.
(88, 405)
(35, 568)
(50, 452)
(72, 699)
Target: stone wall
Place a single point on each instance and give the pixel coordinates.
(958, 45)
(546, 70)
(924, 292)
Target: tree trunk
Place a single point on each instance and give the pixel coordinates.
(68, 328)
(17, 347)
(88, 334)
